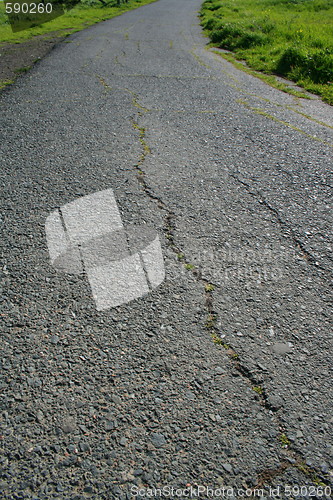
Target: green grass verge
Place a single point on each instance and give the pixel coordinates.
(84, 14)
(290, 38)
(270, 79)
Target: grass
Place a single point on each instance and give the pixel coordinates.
(84, 14)
(4, 83)
(302, 467)
(290, 38)
(189, 267)
(269, 79)
(284, 440)
(20, 71)
(258, 389)
(216, 339)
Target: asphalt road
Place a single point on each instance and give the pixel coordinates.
(235, 176)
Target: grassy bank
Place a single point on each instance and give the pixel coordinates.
(290, 38)
(84, 14)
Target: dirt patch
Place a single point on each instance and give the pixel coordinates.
(16, 58)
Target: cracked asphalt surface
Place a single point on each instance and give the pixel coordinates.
(222, 376)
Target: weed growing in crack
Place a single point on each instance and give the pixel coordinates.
(211, 324)
(209, 287)
(142, 133)
(103, 82)
(20, 71)
(263, 113)
(4, 83)
(284, 440)
(231, 353)
(258, 389)
(307, 471)
(216, 339)
(145, 151)
(189, 267)
(211, 320)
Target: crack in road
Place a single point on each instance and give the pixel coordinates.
(299, 245)
(265, 99)
(294, 458)
(263, 113)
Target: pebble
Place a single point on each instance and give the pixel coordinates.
(158, 440)
(123, 441)
(190, 395)
(275, 402)
(227, 467)
(110, 425)
(281, 348)
(138, 472)
(68, 426)
(84, 446)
